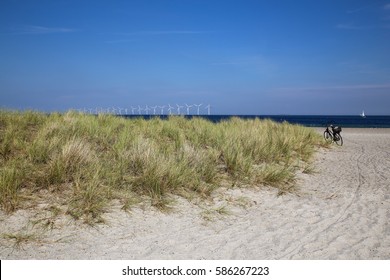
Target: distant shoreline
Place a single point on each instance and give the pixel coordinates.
(305, 120)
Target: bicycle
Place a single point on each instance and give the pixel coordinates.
(333, 134)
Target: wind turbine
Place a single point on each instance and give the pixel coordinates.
(132, 109)
(120, 111)
(208, 109)
(154, 109)
(178, 108)
(139, 110)
(162, 109)
(147, 110)
(188, 108)
(170, 109)
(198, 107)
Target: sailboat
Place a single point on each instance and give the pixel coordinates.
(363, 115)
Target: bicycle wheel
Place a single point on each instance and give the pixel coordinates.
(328, 137)
(338, 139)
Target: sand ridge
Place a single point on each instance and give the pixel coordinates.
(340, 212)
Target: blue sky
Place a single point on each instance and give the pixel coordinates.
(239, 56)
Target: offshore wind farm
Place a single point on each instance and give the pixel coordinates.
(199, 110)
(146, 110)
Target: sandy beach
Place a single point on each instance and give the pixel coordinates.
(341, 211)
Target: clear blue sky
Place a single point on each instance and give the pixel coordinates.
(240, 56)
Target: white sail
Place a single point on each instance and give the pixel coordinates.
(363, 115)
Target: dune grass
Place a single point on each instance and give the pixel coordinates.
(87, 161)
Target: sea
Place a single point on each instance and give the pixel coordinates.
(305, 120)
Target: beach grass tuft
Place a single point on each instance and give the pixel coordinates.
(86, 161)
(20, 238)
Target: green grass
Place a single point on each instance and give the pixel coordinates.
(87, 161)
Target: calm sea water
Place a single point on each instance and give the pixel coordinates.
(317, 120)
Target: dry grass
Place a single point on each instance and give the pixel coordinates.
(20, 238)
(86, 161)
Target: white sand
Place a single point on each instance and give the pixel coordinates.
(340, 212)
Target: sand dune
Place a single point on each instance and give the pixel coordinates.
(340, 212)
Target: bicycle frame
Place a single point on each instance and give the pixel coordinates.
(335, 136)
